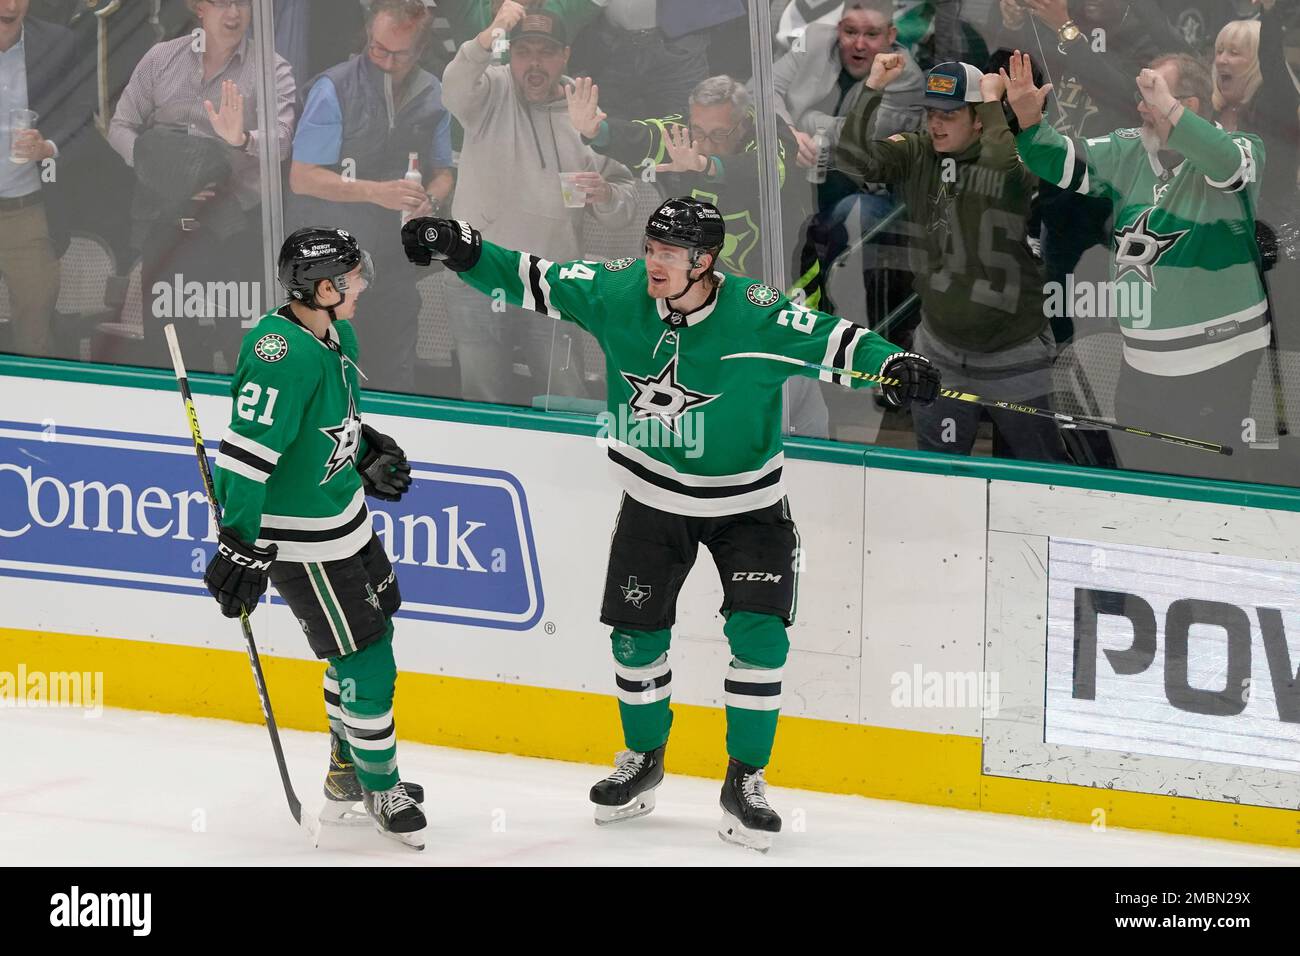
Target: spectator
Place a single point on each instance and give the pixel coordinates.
(1198, 22)
(518, 140)
(818, 86)
(1183, 189)
(38, 73)
(647, 57)
(363, 120)
(187, 123)
(982, 318)
(468, 18)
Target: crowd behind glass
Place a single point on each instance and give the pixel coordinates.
(1072, 236)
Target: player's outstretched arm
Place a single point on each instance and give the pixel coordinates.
(567, 290)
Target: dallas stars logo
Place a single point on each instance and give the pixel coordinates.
(617, 265)
(271, 347)
(662, 398)
(763, 295)
(1139, 249)
(635, 593)
(346, 437)
(371, 597)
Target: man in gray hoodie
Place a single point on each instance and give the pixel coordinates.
(518, 140)
(818, 83)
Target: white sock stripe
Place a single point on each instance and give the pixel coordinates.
(358, 722)
(755, 675)
(331, 684)
(650, 695)
(333, 713)
(745, 702)
(649, 672)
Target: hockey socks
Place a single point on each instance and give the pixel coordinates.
(759, 646)
(644, 684)
(365, 681)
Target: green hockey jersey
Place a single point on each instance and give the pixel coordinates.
(1185, 285)
(286, 467)
(688, 430)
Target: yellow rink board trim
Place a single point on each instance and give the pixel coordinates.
(820, 755)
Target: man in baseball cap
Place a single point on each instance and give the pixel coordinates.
(539, 52)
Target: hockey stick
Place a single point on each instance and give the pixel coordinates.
(303, 818)
(1068, 421)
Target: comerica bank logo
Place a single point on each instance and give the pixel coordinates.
(127, 510)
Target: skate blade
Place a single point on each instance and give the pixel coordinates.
(342, 813)
(731, 830)
(639, 806)
(413, 840)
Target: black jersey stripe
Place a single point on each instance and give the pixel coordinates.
(323, 534)
(332, 698)
(668, 484)
(1228, 330)
(847, 337)
(247, 457)
(354, 733)
(637, 686)
(771, 689)
(535, 285)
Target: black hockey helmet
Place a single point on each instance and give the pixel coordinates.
(687, 222)
(315, 253)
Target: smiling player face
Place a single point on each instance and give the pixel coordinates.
(667, 269)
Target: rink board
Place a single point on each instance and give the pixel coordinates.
(920, 647)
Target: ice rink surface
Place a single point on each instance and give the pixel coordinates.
(138, 789)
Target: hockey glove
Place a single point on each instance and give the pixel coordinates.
(385, 472)
(454, 241)
(237, 574)
(918, 380)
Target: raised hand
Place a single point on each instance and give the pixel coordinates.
(228, 121)
(684, 155)
(1025, 98)
(885, 68)
(584, 106)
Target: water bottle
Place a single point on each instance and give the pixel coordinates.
(822, 147)
(412, 176)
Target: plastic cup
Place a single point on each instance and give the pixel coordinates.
(574, 197)
(19, 120)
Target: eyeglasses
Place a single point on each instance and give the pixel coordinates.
(240, 5)
(381, 52)
(717, 137)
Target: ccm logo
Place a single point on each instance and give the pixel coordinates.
(1232, 621)
(763, 576)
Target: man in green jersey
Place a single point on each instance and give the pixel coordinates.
(668, 324)
(1191, 305)
(292, 473)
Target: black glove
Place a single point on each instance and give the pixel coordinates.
(454, 241)
(384, 470)
(918, 380)
(236, 575)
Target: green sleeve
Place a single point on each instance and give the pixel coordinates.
(1228, 161)
(819, 337)
(632, 142)
(570, 290)
(1067, 164)
(269, 400)
(867, 160)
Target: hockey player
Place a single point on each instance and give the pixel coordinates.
(666, 322)
(292, 474)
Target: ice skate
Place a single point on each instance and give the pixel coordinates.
(629, 791)
(344, 796)
(747, 818)
(397, 816)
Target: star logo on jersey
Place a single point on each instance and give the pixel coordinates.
(371, 597)
(346, 436)
(762, 295)
(635, 593)
(617, 265)
(662, 398)
(1138, 248)
(271, 347)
